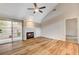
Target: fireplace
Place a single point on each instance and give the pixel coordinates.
(30, 35)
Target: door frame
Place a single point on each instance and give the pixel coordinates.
(66, 27)
(12, 20)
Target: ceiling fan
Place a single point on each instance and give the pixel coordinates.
(36, 8)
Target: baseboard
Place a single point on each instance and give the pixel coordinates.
(63, 39)
(56, 39)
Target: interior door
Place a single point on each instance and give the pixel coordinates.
(71, 30)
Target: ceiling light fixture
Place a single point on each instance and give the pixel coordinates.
(36, 10)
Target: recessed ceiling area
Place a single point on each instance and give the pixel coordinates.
(20, 11)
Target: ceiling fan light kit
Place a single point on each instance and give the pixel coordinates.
(36, 8)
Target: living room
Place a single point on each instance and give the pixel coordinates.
(39, 28)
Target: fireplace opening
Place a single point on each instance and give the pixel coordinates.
(30, 35)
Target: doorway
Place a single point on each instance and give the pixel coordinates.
(10, 31)
(71, 30)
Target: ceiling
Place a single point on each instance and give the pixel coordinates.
(20, 11)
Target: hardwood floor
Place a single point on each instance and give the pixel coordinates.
(40, 46)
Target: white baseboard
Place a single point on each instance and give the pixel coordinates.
(63, 39)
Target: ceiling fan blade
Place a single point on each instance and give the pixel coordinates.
(42, 7)
(34, 12)
(40, 11)
(30, 8)
(35, 4)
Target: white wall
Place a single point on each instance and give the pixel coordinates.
(54, 29)
(55, 26)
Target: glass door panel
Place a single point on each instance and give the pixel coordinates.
(5, 31)
(10, 31)
(17, 31)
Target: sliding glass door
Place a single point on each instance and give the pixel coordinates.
(10, 31)
(5, 31)
(17, 31)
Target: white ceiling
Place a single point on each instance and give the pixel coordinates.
(20, 11)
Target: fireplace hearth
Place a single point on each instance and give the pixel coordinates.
(30, 35)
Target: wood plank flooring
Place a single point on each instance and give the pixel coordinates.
(40, 46)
